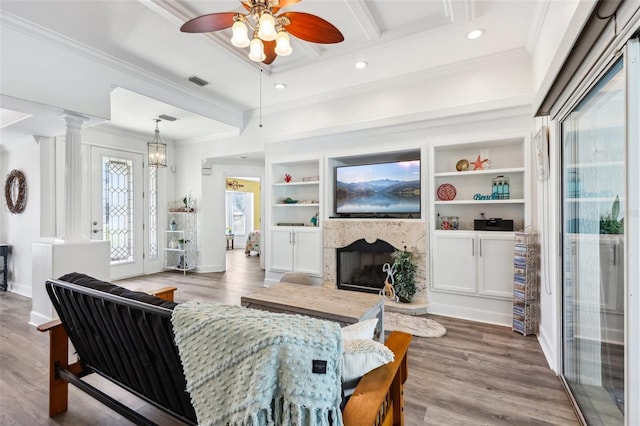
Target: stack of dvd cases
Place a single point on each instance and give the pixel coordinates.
(524, 283)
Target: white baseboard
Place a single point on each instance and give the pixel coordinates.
(470, 314)
(21, 289)
(269, 282)
(36, 319)
(210, 268)
(547, 349)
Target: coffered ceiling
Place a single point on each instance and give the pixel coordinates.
(395, 37)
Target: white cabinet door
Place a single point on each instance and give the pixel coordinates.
(495, 264)
(281, 250)
(307, 253)
(454, 262)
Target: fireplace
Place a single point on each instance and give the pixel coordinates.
(359, 265)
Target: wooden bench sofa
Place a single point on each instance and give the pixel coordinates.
(127, 338)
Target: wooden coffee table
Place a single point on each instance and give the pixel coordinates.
(343, 306)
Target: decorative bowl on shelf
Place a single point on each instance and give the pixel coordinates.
(446, 192)
(289, 201)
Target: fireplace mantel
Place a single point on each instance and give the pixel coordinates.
(411, 234)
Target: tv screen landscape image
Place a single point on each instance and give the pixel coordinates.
(378, 189)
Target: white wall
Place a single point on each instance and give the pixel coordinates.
(560, 27)
(21, 230)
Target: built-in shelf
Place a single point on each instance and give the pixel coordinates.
(508, 158)
(296, 205)
(312, 182)
(509, 201)
(471, 173)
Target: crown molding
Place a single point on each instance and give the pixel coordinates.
(539, 15)
(97, 56)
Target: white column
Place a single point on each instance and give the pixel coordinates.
(73, 178)
(47, 186)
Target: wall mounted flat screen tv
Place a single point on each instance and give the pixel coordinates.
(384, 189)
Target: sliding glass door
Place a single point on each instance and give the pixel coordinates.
(593, 198)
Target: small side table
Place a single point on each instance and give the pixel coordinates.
(229, 239)
(4, 253)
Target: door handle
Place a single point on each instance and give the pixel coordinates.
(473, 248)
(480, 242)
(95, 231)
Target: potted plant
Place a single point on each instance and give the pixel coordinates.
(181, 243)
(610, 224)
(405, 278)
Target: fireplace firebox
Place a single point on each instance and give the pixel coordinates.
(359, 265)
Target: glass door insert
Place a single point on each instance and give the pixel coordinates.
(593, 199)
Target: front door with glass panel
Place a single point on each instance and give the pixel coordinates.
(593, 200)
(116, 208)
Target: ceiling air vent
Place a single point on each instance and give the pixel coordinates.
(198, 81)
(166, 117)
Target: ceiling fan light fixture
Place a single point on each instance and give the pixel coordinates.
(283, 45)
(239, 38)
(256, 50)
(265, 21)
(267, 27)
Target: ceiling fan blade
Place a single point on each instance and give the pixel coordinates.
(207, 23)
(312, 28)
(284, 3)
(269, 51)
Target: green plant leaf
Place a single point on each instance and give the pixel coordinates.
(615, 209)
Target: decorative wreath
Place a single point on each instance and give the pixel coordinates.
(15, 191)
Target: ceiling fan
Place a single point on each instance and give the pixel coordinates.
(269, 32)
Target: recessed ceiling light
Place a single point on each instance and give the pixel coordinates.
(361, 65)
(280, 86)
(474, 34)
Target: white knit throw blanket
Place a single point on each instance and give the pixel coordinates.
(246, 367)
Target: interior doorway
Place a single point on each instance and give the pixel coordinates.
(242, 214)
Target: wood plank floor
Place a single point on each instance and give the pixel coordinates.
(477, 374)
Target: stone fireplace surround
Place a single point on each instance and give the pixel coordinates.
(339, 233)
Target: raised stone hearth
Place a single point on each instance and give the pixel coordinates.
(400, 234)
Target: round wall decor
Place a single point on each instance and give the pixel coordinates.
(446, 192)
(15, 191)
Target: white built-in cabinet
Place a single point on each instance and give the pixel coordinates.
(468, 266)
(293, 219)
(296, 249)
(473, 263)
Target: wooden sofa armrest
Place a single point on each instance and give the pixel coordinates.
(48, 326)
(58, 357)
(378, 398)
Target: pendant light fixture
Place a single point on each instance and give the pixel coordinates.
(157, 149)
